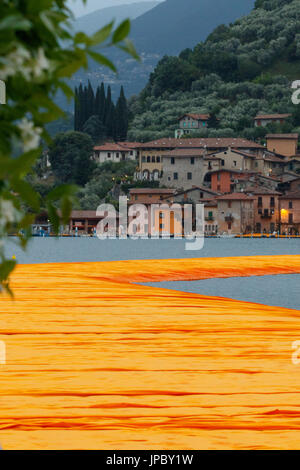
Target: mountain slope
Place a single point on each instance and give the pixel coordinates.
(92, 22)
(239, 71)
(175, 24)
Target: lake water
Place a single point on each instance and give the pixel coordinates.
(280, 290)
(57, 250)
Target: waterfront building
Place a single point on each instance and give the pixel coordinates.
(290, 213)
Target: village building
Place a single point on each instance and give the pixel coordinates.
(293, 163)
(226, 181)
(290, 213)
(160, 220)
(182, 168)
(266, 209)
(263, 120)
(211, 217)
(194, 195)
(151, 166)
(235, 213)
(269, 164)
(190, 122)
(283, 144)
(84, 222)
(116, 152)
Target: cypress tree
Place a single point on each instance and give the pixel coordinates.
(121, 117)
(76, 110)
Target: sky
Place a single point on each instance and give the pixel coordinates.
(80, 9)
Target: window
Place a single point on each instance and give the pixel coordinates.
(153, 159)
(143, 159)
(229, 225)
(158, 159)
(234, 163)
(123, 156)
(148, 159)
(108, 155)
(222, 162)
(290, 204)
(192, 160)
(117, 155)
(161, 225)
(272, 202)
(259, 202)
(172, 161)
(201, 195)
(189, 176)
(219, 176)
(175, 176)
(136, 197)
(131, 152)
(291, 219)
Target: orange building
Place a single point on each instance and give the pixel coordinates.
(164, 220)
(266, 209)
(290, 213)
(283, 144)
(224, 181)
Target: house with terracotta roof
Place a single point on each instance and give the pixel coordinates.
(156, 216)
(290, 213)
(283, 144)
(191, 122)
(116, 152)
(262, 120)
(152, 161)
(235, 214)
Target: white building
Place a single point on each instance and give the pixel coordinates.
(116, 152)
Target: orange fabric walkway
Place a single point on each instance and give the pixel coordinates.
(97, 362)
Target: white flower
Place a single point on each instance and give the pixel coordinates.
(8, 213)
(41, 63)
(30, 134)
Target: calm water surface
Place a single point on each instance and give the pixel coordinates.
(57, 250)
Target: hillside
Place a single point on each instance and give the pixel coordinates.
(92, 22)
(166, 28)
(239, 71)
(174, 25)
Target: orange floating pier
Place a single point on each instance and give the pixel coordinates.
(95, 361)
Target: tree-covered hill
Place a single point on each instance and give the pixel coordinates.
(239, 71)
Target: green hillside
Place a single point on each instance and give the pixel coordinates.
(239, 71)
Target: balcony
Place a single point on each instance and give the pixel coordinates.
(228, 218)
(267, 214)
(209, 218)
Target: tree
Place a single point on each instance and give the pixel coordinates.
(121, 117)
(70, 157)
(95, 129)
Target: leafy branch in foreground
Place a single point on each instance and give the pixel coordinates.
(38, 51)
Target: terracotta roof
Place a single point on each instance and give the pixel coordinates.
(88, 215)
(258, 190)
(293, 195)
(130, 145)
(240, 172)
(151, 191)
(282, 136)
(272, 116)
(117, 146)
(199, 188)
(184, 152)
(209, 143)
(235, 197)
(202, 117)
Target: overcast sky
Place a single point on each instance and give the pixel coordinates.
(79, 9)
